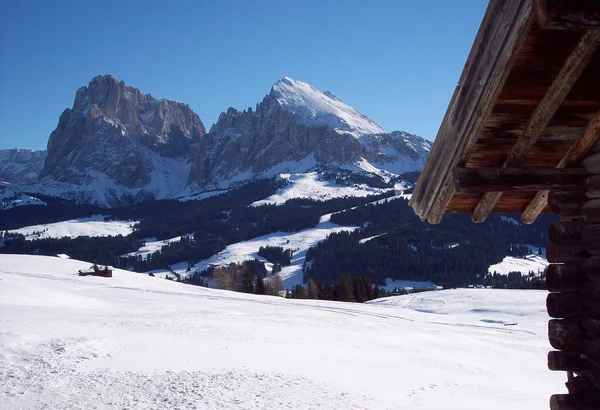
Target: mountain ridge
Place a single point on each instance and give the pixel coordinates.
(117, 145)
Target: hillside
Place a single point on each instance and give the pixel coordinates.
(136, 341)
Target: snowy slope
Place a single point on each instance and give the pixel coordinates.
(308, 185)
(94, 225)
(533, 262)
(20, 165)
(317, 109)
(152, 245)
(12, 198)
(133, 341)
(300, 242)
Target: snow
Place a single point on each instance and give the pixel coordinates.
(370, 238)
(202, 195)
(534, 262)
(299, 242)
(309, 186)
(94, 225)
(133, 341)
(391, 284)
(318, 109)
(152, 245)
(510, 220)
(10, 199)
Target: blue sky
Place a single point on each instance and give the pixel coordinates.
(396, 61)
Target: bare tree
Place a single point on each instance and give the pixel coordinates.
(274, 285)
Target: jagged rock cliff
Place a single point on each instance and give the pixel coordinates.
(118, 144)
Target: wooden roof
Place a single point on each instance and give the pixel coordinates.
(528, 100)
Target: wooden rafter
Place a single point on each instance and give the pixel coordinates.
(566, 78)
(573, 157)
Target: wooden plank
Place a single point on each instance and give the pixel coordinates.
(590, 211)
(592, 187)
(562, 305)
(565, 334)
(519, 179)
(564, 277)
(568, 14)
(567, 203)
(556, 94)
(567, 361)
(498, 41)
(563, 253)
(577, 232)
(573, 402)
(592, 162)
(573, 157)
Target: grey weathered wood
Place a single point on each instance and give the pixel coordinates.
(573, 157)
(562, 84)
(590, 211)
(479, 180)
(592, 188)
(497, 44)
(592, 162)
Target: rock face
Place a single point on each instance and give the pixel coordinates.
(21, 166)
(127, 144)
(297, 127)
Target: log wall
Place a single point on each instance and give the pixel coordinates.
(573, 279)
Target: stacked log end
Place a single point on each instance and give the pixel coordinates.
(573, 278)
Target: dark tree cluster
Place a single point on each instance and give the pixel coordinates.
(358, 289)
(516, 280)
(276, 254)
(452, 254)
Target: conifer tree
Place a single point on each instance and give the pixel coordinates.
(259, 289)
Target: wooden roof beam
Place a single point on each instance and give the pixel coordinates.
(573, 157)
(480, 180)
(499, 39)
(564, 81)
(568, 14)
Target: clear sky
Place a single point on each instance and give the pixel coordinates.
(396, 61)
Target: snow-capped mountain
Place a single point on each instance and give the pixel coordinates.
(295, 128)
(118, 145)
(21, 166)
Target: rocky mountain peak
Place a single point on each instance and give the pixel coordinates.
(118, 133)
(317, 109)
(295, 128)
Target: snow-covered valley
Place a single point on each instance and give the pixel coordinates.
(134, 341)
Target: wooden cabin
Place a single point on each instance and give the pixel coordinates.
(520, 136)
(94, 270)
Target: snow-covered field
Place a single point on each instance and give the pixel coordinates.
(94, 225)
(133, 341)
(308, 185)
